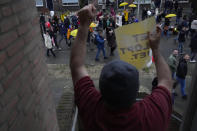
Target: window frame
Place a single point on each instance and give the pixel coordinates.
(39, 5)
(70, 4)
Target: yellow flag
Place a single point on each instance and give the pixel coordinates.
(132, 42)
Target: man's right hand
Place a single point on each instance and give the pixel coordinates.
(86, 15)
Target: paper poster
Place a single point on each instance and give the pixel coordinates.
(118, 20)
(132, 43)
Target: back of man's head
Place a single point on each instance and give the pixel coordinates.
(119, 84)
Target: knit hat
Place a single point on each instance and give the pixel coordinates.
(119, 84)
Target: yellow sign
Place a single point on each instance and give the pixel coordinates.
(132, 42)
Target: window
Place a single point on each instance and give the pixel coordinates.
(39, 3)
(101, 2)
(70, 2)
(142, 1)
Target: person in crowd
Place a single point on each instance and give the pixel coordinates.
(48, 43)
(181, 74)
(123, 20)
(114, 107)
(126, 16)
(104, 22)
(176, 5)
(166, 27)
(74, 21)
(111, 39)
(66, 22)
(179, 15)
(108, 21)
(62, 32)
(185, 24)
(69, 37)
(56, 19)
(100, 24)
(42, 23)
(100, 45)
(100, 13)
(112, 22)
(193, 43)
(181, 39)
(144, 13)
(159, 18)
(172, 63)
(171, 6)
(53, 33)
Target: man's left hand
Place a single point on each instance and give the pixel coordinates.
(87, 15)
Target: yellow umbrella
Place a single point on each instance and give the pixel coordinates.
(132, 5)
(74, 33)
(123, 4)
(92, 25)
(170, 15)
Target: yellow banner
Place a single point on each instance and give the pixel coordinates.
(132, 42)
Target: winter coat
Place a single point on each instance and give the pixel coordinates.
(62, 29)
(42, 19)
(181, 37)
(100, 41)
(182, 69)
(67, 23)
(111, 38)
(172, 62)
(47, 41)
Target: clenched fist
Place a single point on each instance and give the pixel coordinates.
(86, 15)
(154, 39)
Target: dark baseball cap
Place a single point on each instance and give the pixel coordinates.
(119, 84)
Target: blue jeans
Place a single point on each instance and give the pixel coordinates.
(100, 47)
(183, 85)
(180, 47)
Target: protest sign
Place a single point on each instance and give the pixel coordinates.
(133, 44)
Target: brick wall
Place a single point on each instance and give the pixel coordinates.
(25, 99)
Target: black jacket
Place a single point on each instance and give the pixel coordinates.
(181, 37)
(182, 69)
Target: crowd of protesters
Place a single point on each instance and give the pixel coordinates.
(99, 35)
(182, 30)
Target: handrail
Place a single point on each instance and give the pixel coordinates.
(75, 119)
